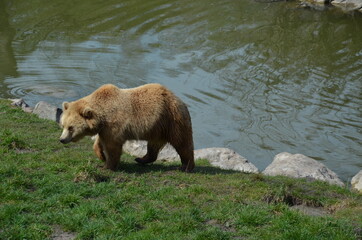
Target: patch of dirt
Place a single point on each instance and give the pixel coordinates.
(225, 227)
(85, 176)
(59, 234)
(182, 185)
(291, 200)
(340, 205)
(121, 179)
(24, 150)
(30, 188)
(358, 231)
(172, 172)
(310, 211)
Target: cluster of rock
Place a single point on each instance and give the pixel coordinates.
(285, 164)
(42, 109)
(223, 158)
(345, 5)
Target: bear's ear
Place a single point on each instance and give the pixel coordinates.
(65, 105)
(87, 113)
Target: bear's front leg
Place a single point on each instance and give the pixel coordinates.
(113, 154)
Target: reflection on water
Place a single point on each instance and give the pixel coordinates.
(7, 60)
(258, 78)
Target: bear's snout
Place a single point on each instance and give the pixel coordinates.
(64, 141)
(66, 137)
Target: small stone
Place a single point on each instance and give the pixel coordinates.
(356, 181)
(300, 166)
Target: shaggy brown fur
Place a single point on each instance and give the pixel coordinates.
(150, 112)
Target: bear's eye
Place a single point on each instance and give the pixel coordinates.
(70, 129)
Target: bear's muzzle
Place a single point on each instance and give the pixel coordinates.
(66, 137)
(64, 141)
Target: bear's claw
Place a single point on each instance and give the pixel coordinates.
(141, 161)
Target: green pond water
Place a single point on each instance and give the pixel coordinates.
(260, 78)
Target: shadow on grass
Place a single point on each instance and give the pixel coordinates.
(133, 167)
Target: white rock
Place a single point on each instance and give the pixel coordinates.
(356, 181)
(47, 111)
(139, 149)
(317, 4)
(21, 103)
(300, 166)
(135, 148)
(319, 1)
(348, 5)
(226, 158)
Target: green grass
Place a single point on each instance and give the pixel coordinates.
(46, 187)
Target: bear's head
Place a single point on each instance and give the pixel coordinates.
(77, 121)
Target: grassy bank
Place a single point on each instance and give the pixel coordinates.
(50, 190)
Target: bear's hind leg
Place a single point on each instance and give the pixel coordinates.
(152, 152)
(186, 152)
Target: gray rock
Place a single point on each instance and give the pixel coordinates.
(318, 1)
(356, 181)
(135, 148)
(21, 103)
(139, 149)
(225, 158)
(348, 5)
(219, 157)
(300, 166)
(47, 111)
(316, 5)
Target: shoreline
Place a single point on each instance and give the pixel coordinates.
(284, 164)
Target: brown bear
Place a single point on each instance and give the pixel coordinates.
(150, 112)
